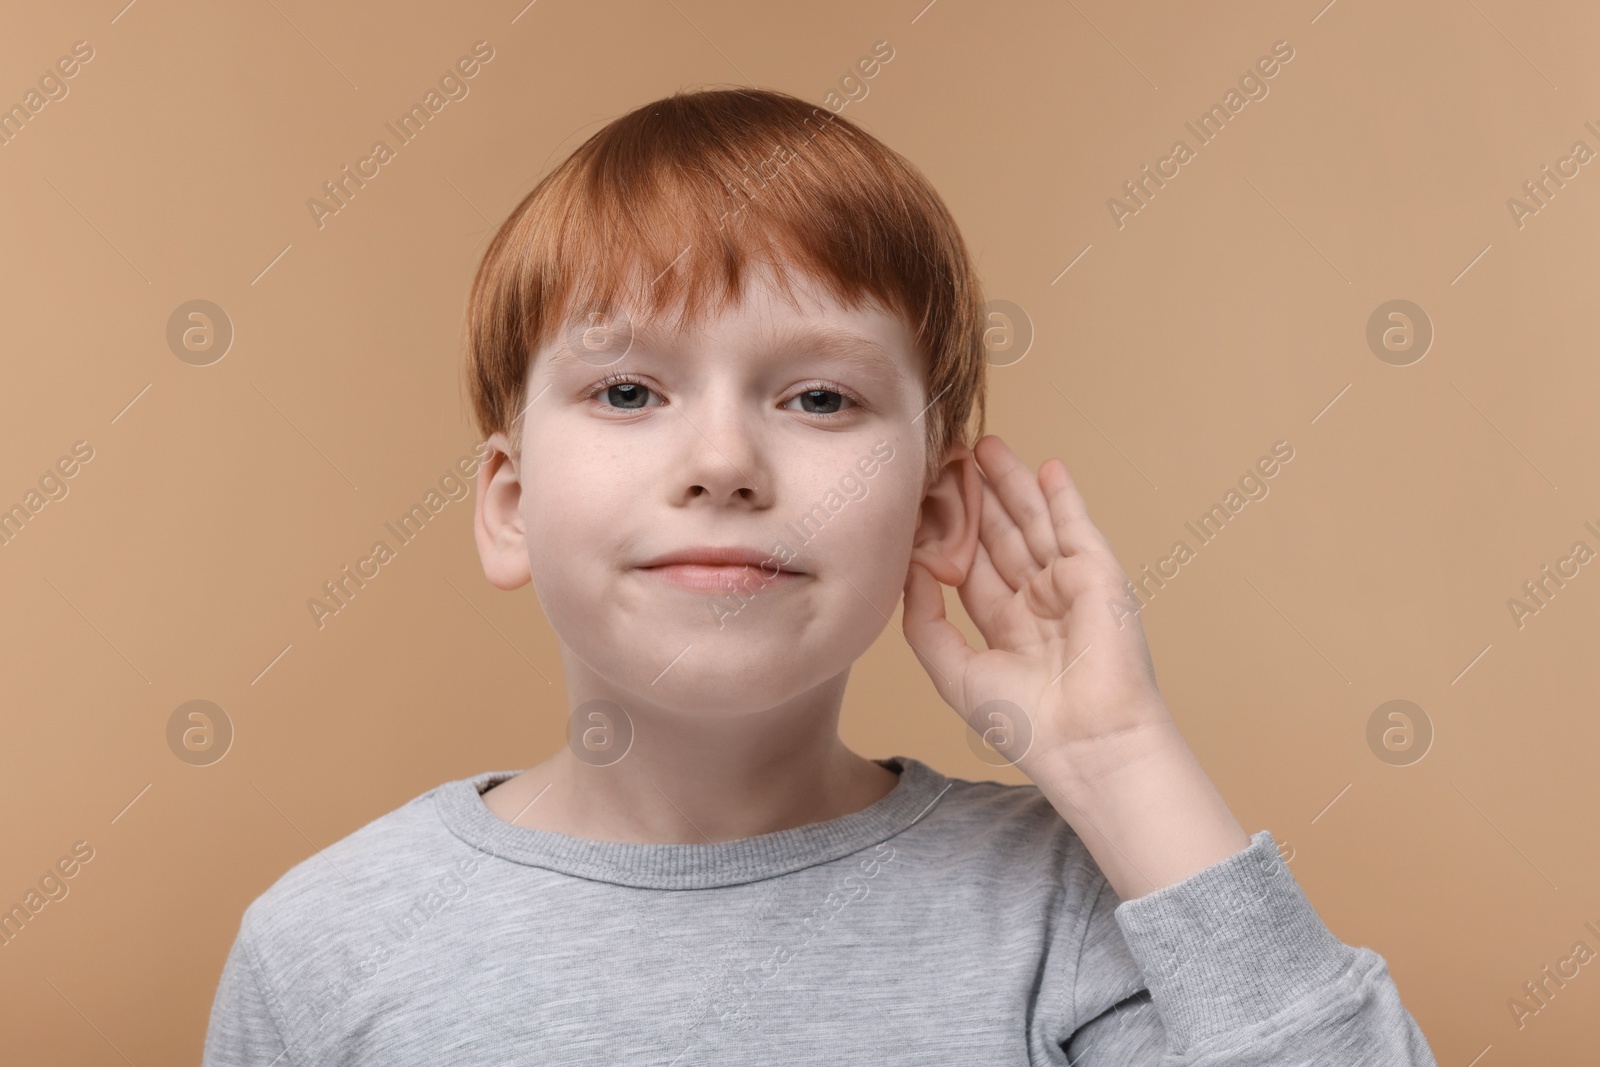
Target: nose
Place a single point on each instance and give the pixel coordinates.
(724, 458)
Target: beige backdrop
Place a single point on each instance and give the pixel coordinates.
(1173, 346)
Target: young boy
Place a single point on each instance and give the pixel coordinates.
(726, 356)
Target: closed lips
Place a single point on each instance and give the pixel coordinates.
(718, 557)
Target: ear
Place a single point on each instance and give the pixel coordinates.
(497, 520)
(946, 538)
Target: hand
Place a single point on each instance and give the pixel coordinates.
(1066, 650)
(1068, 659)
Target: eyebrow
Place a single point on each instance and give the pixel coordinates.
(825, 341)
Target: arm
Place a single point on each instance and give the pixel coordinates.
(1239, 968)
(1241, 973)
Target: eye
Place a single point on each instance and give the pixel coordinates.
(628, 393)
(620, 392)
(823, 395)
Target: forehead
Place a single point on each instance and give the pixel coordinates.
(807, 321)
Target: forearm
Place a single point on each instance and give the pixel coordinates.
(1144, 808)
(1239, 970)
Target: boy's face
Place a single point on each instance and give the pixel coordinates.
(742, 432)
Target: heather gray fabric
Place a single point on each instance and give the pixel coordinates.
(952, 922)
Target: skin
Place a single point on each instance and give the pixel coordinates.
(735, 726)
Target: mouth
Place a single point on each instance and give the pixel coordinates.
(722, 578)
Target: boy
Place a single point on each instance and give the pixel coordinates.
(726, 355)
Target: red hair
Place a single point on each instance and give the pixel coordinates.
(669, 204)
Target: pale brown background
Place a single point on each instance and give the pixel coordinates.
(1227, 315)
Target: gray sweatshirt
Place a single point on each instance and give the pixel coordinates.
(951, 922)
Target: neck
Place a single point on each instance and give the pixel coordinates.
(687, 779)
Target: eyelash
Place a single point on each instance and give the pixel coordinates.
(609, 380)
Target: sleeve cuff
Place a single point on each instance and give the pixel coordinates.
(1231, 945)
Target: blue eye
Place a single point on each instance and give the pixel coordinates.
(623, 393)
(628, 393)
(821, 397)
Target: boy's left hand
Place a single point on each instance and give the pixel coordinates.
(1067, 663)
(1042, 589)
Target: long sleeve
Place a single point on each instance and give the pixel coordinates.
(1241, 972)
(243, 1031)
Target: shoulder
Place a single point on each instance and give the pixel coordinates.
(997, 816)
(317, 937)
(999, 832)
(333, 896)
(1007, 848)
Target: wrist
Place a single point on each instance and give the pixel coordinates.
(1144, 808)
(1090, 773)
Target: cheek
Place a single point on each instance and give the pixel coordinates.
(572, 504)
(876, 543)
(876, 553)
(570, 543)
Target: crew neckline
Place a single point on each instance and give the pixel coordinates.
(691, 866)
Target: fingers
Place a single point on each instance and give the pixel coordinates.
(1007, 548)
(939, 645)
(985, 593)
(1044, 514)
(1023, 499)
(1069, 515)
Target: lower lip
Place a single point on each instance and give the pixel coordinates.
(706, 579)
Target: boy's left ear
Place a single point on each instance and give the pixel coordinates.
(946, 538)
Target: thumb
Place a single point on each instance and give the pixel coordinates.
(941, 648)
